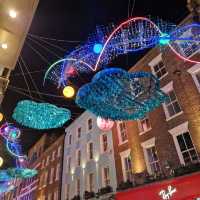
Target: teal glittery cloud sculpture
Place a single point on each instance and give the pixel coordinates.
(120, 95)
(22, 173)
(40, 115)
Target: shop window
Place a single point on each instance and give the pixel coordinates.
(91, 182)
(78, 187)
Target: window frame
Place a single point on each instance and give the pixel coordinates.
(140, 127)
(102, 143)
(180, 130)
(88, 151)
(106, 181)
(154, 63)
(88, 125)
(193, 71)
(166, 89)
(119, 133)
(123, 155)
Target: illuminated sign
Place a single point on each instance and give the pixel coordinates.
(168, 193)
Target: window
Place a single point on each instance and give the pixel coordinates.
(144, 125)
(160, 70)
(187, 148)
(70, 139)
(69, 164)
(91, 182)
(89, 124)
(78, 186)
(55, 195)
(195, 72)
(126, 165)
(106, 176)
(78, 157)
(183, 143)
(104, 142)
(79, 132)
(187, 48)
(157, 67)
(51, 175)
(90, 151)
(153, 160)
(45, 178)
(57, 172)
(47, 161)
(171, 106)
(59, 151)
(67, 191)
(53, 156)
(122, 132)
(43, 164)
(50, 196)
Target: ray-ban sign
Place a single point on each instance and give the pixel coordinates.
(167, 193)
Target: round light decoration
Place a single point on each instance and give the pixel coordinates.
(68, 91)
(1, 161)
(104, 124)
(1, 117)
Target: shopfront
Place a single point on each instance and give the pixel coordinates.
(182, 188)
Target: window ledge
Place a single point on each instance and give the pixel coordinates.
(124, 142)
(141, 133)
(162, 77)
(176, 115)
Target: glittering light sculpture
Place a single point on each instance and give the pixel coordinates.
(40, 115)
(118, 95)
(6, 187)
(1, 161)
(22, 173)
(104, 124)
(133, 35)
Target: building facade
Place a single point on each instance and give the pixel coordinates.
(16, 17)
(88, 164)
(50, 171)
(167, 137)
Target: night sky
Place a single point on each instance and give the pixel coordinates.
(75, 20)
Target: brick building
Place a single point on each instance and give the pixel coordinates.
(168, 136)
(26, 189)
(50, 171)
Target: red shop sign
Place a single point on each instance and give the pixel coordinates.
(182, 188)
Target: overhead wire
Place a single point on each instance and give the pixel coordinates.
(24, 78)
(32, 80)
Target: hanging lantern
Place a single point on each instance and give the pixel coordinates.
(68, 91)
(104, 124)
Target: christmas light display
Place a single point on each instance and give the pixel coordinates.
(104, 124)
(6, 187)
(118, 95)
(40, 115)
(135, 34)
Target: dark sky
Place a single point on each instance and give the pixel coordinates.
(75, 20)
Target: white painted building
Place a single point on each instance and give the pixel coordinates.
(88, 163)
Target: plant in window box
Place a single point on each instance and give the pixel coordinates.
(105, 190)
